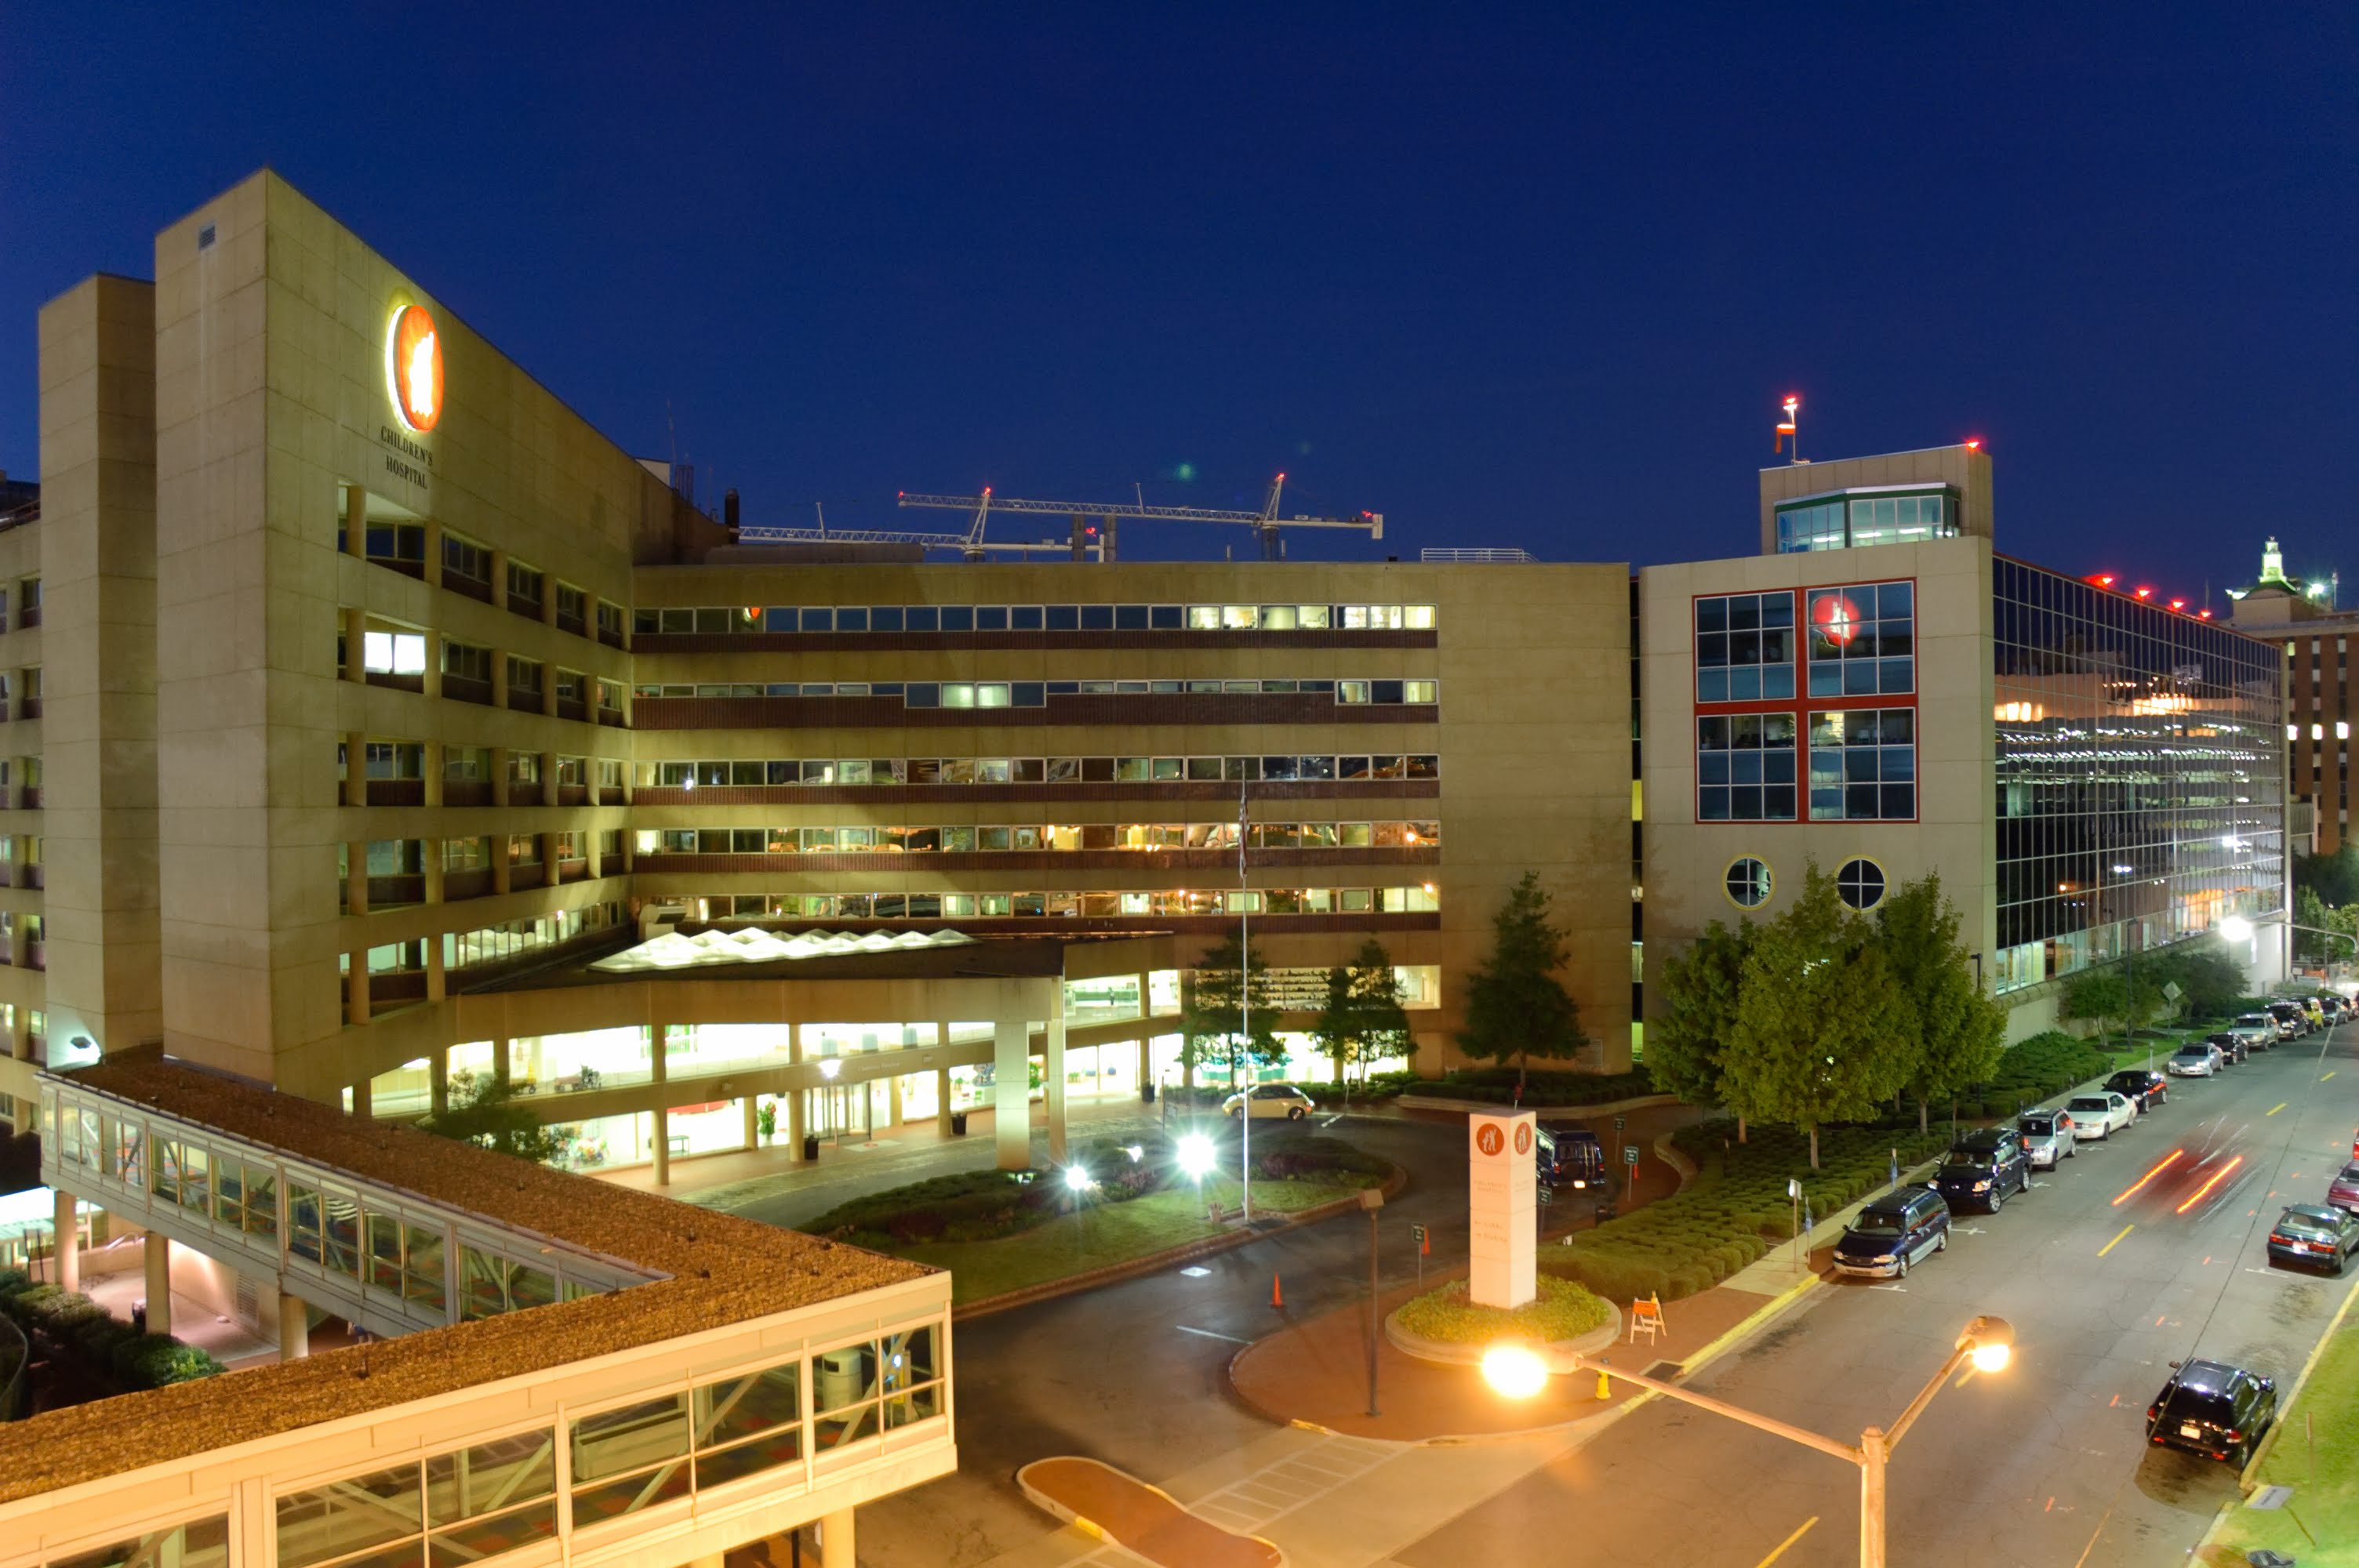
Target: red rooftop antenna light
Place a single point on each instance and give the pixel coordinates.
(1790, 441)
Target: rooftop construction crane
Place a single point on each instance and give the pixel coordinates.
(971, 543)
(1265, 523)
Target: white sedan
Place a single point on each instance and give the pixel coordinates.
(1271, 1100)
(2099, 1115)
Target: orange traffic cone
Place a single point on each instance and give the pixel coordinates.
(1277, 1297)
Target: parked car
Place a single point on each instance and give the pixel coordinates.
(1894, 1231)
(2317, 1235)
(2195, 1059)
(2142, 1087)
(2212, 1409)
(2316, 1010)
(2292, 1022)
(1271, 1100)
(2343, 1191)
(2099, 1116)
(1983, 1168)
(2047, 1138)
(2259, 1030)
(1569, 1157)
(2233, 1048)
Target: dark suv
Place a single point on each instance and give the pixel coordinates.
(2212, 1409)
(2233, 1047)
(1894, 1231)
(2142, 1087)
(1983, 1168)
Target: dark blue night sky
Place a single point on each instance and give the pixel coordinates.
(1513, 276)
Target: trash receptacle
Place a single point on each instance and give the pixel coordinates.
(810, 1146)
(958, 1124)
(1147, 1094)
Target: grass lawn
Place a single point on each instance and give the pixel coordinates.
(1110, 1233)
(2326, 1498)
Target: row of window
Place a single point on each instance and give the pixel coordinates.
(1843, 525)
(495, 944)
(396, 759)
(1863, 766)
(1051, 837)
(467, 564)
(1036, 694)
(1030, 770)
(1861, 641)
(29, 603)
(731, 621)
(1859, 882)
(398, 652)
(1415, 898)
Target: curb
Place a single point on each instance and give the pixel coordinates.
(1132, 1267)
(1503, 1107)
(1451, 1353)
(2269, 1440)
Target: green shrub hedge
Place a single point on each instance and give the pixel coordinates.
(1541, 1089)
(1562, 1309)
(1735, 1211)
(112, 1347)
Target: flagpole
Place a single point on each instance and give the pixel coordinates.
(1244, 1004)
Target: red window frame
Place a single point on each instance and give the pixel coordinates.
(1801, 707)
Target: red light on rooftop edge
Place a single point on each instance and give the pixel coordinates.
(2146, 593)
(2204, 615)
(2179, 604)
(1975, 444)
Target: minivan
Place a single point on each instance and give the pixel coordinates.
(1894, 1231)
(1985, 1167)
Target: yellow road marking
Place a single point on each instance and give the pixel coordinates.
(2109, 1246)
(1789, 1541)
(2275, 1108)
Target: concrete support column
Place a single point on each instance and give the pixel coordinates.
(294, 1328)
(1052, 1083)
(500, 1046)
(20, 1032)
(361, 1107)
(438, 977)
(437, 1072)
(548, 759)
(495, 760)
(433, 761)
(1147, 1063)
(1011, 1097)
(434, 552)
(355, 521)
(159, 1260)
(501, 871)
(661, 1145)
(433, 676)
(658, 1052)
(499, 679)
(795, 1097)
(836, 1541)
(431, 854)
(355, 768)
(753, 1120)
(942, 1101)
(356, 876)
(500, 578)
(357, 993)
(65, 1241)
(894, 1115)
(355, 664)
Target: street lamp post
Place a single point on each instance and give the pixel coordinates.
(1988, 1342)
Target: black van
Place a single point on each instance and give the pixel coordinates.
(1893, 1232)
(1569, 1157)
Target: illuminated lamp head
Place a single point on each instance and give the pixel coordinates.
(413, 368)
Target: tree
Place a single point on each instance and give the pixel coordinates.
(2209, 982)
(1361, 1019)
(1686, 1042)
(2130, 990)
(488, 1116)
(1823, 1032)
(2312, 911)
(2334, 878)
(1213, 1008)
(1958, 1030)
(1515, 1005)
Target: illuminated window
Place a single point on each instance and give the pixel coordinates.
(1748, 882)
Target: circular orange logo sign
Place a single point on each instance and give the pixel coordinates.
(413, 368)
(1523, 1137)
(1487, 1138)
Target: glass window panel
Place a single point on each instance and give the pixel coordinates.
(489, 1476)
(466, 1544)
(614, 1500)
(200, 1543)
(782, 1447)
(352, 1513)
(619, 1440)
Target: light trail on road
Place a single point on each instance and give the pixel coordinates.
(2150, 1176)
(2217, 1177)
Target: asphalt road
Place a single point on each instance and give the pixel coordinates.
(1132, 1374)
(2045, 1463)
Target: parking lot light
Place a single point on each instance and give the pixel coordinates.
(1077, 1178)
(1196, 1155)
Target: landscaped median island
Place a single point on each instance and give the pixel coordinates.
(998, 1231)
(2325, 1480)
(1563, 1309)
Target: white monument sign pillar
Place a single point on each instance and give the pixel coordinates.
(1500, 1200)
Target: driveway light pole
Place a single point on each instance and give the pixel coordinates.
(1519, 1371)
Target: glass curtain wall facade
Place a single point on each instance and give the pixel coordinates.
(2141, 795)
